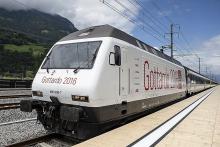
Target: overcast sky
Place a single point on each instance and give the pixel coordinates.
(198, 20)
(82, 13)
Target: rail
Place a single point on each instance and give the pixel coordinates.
(9, 106)
(45, 138)
(15, 83)
(17, 121)
(13, 89)
(15, 96)
(36, 140)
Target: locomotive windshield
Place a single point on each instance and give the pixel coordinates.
(74, 55)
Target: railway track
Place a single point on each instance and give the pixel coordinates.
(9, 106)
(17, 121)
(13, 89)
(34, 141)
(12, 105)
(15, 96)
(43, 139)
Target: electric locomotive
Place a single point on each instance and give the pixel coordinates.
(95, 77)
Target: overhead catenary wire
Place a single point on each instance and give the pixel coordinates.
(132, 20)
(140, 19)
(169, 20)
(187, 42)
(188, 50)
(149, 15)
(141, 26)
(145, 26)
(190, 62)
(186, 58)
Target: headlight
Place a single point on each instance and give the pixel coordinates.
(37, 93)
(80, 98)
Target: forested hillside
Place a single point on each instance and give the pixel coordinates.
(25, 37)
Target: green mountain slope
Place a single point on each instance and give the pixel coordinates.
(25, 37)
(37, 25)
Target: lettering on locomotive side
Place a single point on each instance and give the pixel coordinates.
(156, 78)
(59, 80)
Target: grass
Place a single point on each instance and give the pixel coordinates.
(37, 49)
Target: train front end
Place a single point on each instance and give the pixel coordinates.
(64, 87)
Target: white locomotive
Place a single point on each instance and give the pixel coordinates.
(98, 76)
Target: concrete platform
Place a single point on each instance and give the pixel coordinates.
(200, 128)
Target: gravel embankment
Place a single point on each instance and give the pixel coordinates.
(20, 132)
(17, 132)
(15, 114)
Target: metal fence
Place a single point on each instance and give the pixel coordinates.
(12, 83)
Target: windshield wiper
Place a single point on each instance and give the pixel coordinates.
(47, 67)
(76, 69)
(86, 63)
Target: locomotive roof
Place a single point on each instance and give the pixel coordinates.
(109, 31)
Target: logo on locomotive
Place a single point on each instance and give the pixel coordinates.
(158, 78)
(59, 80)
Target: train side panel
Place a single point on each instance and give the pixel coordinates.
(196, 82)
(141, 82)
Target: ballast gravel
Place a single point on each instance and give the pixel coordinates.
(15, 133)
(15, 114)
(20, 131)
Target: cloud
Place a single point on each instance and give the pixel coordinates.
(210, 54)
(82, 13)
(11, 5)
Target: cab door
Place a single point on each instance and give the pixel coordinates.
(124, 75)
(124, 81)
